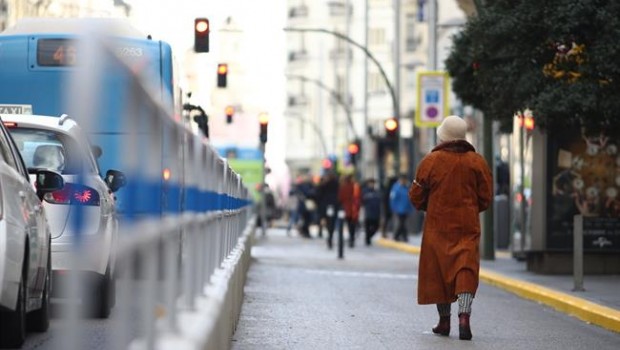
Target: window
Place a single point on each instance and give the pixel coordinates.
(376, 36)
(49, 150)
(376, 83)
(338, 8)
(411, 40)
(5, 151)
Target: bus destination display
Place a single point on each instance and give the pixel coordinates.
(56, 52)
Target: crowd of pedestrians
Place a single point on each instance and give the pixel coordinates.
(366, 206)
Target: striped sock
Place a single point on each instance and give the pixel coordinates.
(443, 309)
(465, 300)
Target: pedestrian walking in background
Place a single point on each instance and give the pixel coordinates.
(292, 206)
(453, 184)
(401, 206)
(349, 196)
(327, 197)
(306, 206)
(387, 211)
(371, 202)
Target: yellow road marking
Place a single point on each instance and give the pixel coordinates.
(583, 309)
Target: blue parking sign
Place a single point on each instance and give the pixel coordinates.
(432, 96)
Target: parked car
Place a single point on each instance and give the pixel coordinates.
(59, 143)
(25, 248)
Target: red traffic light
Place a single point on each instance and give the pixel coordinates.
(529, 123)
(391, 124)
(353, 148)
(201, 25)
(263, 121)
(201, 35)
(222, 74)
(230, 111)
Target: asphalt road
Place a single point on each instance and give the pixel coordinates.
(298, 295)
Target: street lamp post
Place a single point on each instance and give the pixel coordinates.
(395, 107)
(263, 120)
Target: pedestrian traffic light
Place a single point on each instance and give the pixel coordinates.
(230, 111)
(263, 120)
(391, 129)
(201, 35)
(354, 150)
(222, 73)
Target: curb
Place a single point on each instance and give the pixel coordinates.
(587, 311)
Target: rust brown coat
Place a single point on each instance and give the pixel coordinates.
(453, 184)
(350, 195)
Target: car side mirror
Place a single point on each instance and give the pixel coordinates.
(115, 179)
(97, 151)
(47, 181)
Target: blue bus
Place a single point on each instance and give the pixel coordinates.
(37, 58)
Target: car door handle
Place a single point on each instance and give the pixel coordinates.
(22, 195)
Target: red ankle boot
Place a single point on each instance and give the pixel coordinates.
(443, 327)
(464, 329)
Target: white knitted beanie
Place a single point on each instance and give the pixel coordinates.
(452, 128)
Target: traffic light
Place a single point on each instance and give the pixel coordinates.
(222, 73)
(354, 151)
(391, 129)
(230, 111)
(201, 35)
(263, 120)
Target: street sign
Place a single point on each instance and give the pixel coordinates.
(432, 105)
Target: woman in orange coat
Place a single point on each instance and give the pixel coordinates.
(453, 184)
(350, 196)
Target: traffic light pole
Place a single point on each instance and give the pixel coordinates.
(395, 104)
(263, 202)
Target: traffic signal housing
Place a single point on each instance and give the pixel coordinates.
(263, 121)
(391, 129)
(354, 149)
(230, 111)
(201, 35)
(222, 74)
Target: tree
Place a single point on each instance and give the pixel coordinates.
(557, 57)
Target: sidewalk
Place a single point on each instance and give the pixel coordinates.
(599, 304)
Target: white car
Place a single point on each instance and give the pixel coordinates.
(25, 267)
(83, 209)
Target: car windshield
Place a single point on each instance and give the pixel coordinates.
(48, 149)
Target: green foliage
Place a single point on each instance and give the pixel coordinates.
(560, 58)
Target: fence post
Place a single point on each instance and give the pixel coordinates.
(578, 253)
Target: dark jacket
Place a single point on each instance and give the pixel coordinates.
(371, 200)
(327, 194)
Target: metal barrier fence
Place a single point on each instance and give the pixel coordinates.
(180, 271)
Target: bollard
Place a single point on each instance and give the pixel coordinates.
(578, 253)
(340, 224)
